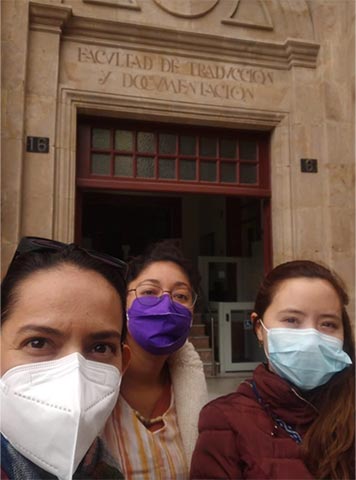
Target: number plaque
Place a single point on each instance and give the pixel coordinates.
(37, 144)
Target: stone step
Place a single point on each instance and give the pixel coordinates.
(206, 355)
(200, 341)
(197, 329)
(197, 318)
(209, 369)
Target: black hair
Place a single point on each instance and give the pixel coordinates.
(163, 251)
(24, 265)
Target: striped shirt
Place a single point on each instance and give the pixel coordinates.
(143, 454)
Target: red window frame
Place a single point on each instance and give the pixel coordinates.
(86, 179)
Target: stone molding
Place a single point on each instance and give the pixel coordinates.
(48, 17)
(234, 20)
(284, 56)
(130, 4)
(71, 102)
(186, 9)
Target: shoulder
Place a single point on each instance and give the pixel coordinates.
(186, 356)
(229, 410)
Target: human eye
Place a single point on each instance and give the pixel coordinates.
(148, 290)
(103, 350)
(38, 346)
(290, 321)
(181, 296)
(329, 325)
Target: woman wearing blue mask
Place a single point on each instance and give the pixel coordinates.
(295, 418)
(154, 427)
(62, 357)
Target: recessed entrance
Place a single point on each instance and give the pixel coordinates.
(223, 235)
(206, 188)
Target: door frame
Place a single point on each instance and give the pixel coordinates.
(224, 333)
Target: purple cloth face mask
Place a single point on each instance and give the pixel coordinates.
(159, 329)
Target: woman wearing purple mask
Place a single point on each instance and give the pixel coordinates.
(153, 429)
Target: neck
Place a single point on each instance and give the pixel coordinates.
(145, 369)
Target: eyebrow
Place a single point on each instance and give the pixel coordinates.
(40, 329)
(158, 283)
(292, 310)
(300, 312)
(102, 335)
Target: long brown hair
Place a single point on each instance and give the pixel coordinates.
(329, 444)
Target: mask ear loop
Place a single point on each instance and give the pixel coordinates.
(262, 343)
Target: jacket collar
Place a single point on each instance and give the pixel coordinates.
(283, 399)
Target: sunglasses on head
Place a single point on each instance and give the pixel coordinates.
(33, 244)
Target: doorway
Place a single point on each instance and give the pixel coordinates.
(207, 188)
(222, 235)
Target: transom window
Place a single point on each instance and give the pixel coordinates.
(184, 156)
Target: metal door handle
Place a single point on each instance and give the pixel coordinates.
(227, 317)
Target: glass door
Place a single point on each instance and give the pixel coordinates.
(239, 349)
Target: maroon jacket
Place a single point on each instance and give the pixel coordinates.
(238, 439)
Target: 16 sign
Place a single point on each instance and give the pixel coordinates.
(37, 144)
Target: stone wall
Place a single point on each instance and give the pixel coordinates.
(286, 66)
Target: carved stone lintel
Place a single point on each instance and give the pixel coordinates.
(48, 17)
(278, 55)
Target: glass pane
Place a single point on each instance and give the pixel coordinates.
(222, 282)
(228, 172)
(100, 138)
(100, 164)
(187, 170)
(208, 147)
(167, 143)
(167, 168)
(244, 347)
(208, 171)
(123, 166)
(248, 173)
(123, 140)
(145, 142)
(145, 167)
(187, 145)
(227, 148)
(248, 150)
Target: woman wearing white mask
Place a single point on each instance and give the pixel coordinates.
(154, 427)
(295, 418)
(62, 359)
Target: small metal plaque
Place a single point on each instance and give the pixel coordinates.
(37, 144)
(309, 165)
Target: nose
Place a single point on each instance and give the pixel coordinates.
(168, 293)
(70, 348)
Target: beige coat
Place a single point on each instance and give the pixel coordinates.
(190, 393)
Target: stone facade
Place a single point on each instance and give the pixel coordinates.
(287, 66)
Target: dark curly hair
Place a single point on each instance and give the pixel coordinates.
(165, 250)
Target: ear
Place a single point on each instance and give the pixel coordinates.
(257, 327)
(126, 357)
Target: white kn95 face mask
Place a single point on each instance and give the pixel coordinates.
(51, 412)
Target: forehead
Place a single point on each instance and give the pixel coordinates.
(163, 272)
(65, 293)
(308, 291)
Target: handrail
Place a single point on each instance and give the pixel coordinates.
(212, 332)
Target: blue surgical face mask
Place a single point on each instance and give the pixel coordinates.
(305, 357)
